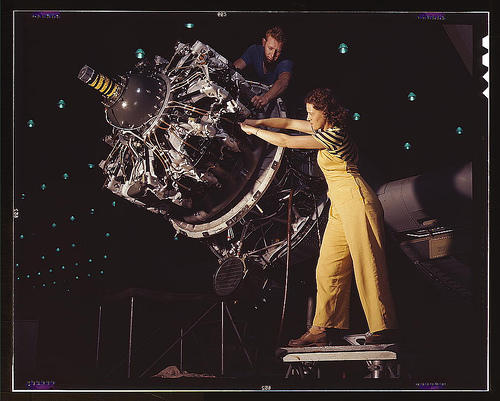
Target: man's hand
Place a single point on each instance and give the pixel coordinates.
(276, 90)
(260, 101)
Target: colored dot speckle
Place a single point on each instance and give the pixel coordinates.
(343, 48)
(139, 53)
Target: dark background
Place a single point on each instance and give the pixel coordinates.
(118, 245)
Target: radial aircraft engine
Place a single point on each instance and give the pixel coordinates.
(177, 150)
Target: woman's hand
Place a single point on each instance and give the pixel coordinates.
(253, 123)
(249, 129)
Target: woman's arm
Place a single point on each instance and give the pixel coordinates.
(282, 123)
(283, 140)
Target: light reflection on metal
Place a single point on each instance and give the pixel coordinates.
(178, 151)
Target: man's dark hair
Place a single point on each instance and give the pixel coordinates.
(322, 99)
(278, 33)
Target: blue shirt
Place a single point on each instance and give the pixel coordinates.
(254, 56)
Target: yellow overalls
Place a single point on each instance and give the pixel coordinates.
(353, 241)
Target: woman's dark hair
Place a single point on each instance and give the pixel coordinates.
(322, 99)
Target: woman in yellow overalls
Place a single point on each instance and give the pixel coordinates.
(353, 240)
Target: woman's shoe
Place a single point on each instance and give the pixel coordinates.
(382, 337)
(308, 339)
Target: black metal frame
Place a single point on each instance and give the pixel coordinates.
(224, 311)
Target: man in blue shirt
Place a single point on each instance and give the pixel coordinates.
(264, 60)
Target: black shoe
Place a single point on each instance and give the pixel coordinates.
(382, 337)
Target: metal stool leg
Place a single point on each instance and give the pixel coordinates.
(130, 337)
(98, 339)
